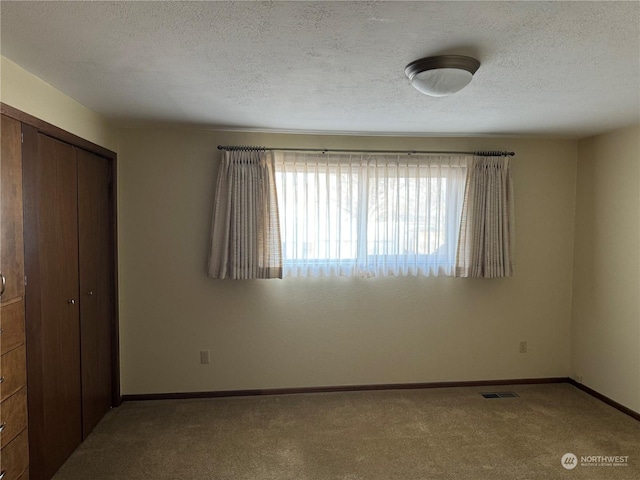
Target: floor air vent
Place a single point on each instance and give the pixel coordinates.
(499, 395)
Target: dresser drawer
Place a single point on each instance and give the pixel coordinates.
(13, 416)
(13, 372)
(11, 326)
(14, 458)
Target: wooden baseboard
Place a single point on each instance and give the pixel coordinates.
(340, 388)
(605, 399)
(388, 386)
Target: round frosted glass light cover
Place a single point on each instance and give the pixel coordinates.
(442, 81)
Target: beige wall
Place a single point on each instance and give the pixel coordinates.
(318, 332)
(314, 332)
(28, 93)
(605, 327)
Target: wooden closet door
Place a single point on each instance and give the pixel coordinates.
(52, 307)
(96, 304)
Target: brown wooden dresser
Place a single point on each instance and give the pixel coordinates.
(14, 456)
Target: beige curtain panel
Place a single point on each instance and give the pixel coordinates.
(486, 242)
(245, 235)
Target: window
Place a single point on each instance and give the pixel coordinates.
(369, 215)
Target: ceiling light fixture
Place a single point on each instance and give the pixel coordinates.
(443, 75)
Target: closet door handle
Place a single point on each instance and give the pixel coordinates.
(2, 379)
(2, 474)
(71, 302)
(90, 294)
(2, 288)
(2, 426)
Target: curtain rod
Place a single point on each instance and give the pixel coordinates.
(492, 153)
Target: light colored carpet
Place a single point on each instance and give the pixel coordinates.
(448, 433)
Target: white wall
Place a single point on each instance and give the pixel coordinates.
(606, 290)
(26, 92)
(338, 331)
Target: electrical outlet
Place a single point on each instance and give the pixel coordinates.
(523, 347)
(204, 356)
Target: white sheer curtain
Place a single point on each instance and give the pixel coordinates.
(245, 235)
(487, 241)
(369, 215)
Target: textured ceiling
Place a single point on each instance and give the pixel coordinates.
(560, 68)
